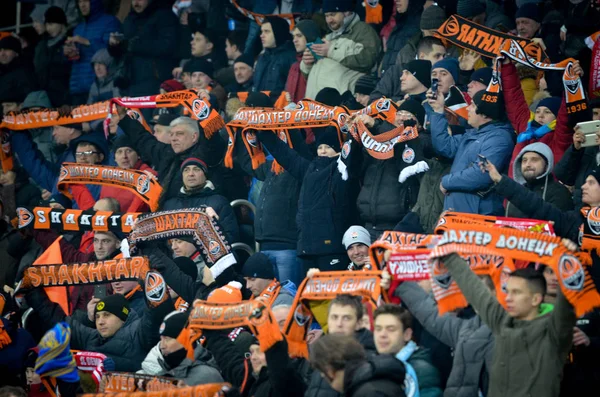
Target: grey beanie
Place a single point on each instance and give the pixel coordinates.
(356, 234)
(309, 29)
(102, 56)
(432, 17)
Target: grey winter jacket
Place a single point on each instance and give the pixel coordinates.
(470, 339)
(202, 370)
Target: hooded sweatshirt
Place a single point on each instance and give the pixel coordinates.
(103, 89)
(272, 67)
(545, 185)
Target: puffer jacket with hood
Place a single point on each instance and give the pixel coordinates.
(273, 66)
(97, 28)
(407, 25)
(545, 185)
(104, 89)
(381, 376)
(202, 370)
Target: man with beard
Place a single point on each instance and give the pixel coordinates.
(533, 169)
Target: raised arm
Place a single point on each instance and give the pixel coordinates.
(477, 294)
(446, 328)
(444, 144)
(514, 99)
(287, 157)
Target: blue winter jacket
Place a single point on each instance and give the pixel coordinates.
(469, 189)
(45, 173)
(97, 29)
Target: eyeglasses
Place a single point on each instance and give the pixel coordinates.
(87, 153)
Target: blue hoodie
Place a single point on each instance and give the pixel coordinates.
(97, 28)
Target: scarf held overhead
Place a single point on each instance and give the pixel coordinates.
(192, 222)
(481, 39)
(575, 282)
(68, 220)
(144, 185)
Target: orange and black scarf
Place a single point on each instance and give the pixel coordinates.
(325, 286)
(61, 220)
(143, 184)
(570, 267)
(481, 39)
(98, 272)
(191, 222)
(260, 18)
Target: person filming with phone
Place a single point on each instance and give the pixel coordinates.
(465, 188)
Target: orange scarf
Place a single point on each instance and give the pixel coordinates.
(381, 146)
(391, 241)
(61, 220)
(590, 229)
(373, 11)
(6, 158)
(260, 18)
(280, 103)
(325, 286)
(99, 272)
(144, 385)
(144, 185)
(192, 222)
(574, 279)
(196, 108)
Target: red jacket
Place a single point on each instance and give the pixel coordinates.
(129, 202)
(296, 82)
(518, 113)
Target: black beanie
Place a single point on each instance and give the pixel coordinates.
(173, 324)
(11, 43)
(258, 266)
(469, 8)
(258, 100)
(55, 15)
(414, 108)
(115, 304)
(337, 6)
(491, 110)
(121, 141)
(365, 85)
(327, 136)
(530, 11)
(281, 30)
(187, 266)
(421, 69)
(245, 58)
(595, 172)
(309, 29)
(199, 65)
(329, 96)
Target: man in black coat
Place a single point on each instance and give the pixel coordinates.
(272, 67)
(150, 37)
(342, 361)
(187, 140)
(198, 191)
(16, 75)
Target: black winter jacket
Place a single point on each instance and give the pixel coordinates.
(573, 168)
(53, 70)
(407, 24)
(383, 201)
(167, 163)
(277, 205)
(555, 194)
(127, 347)
(278, 378)
(326, 202)
(272, 67)
(381, 376)
(150, 38)
(208, 197)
